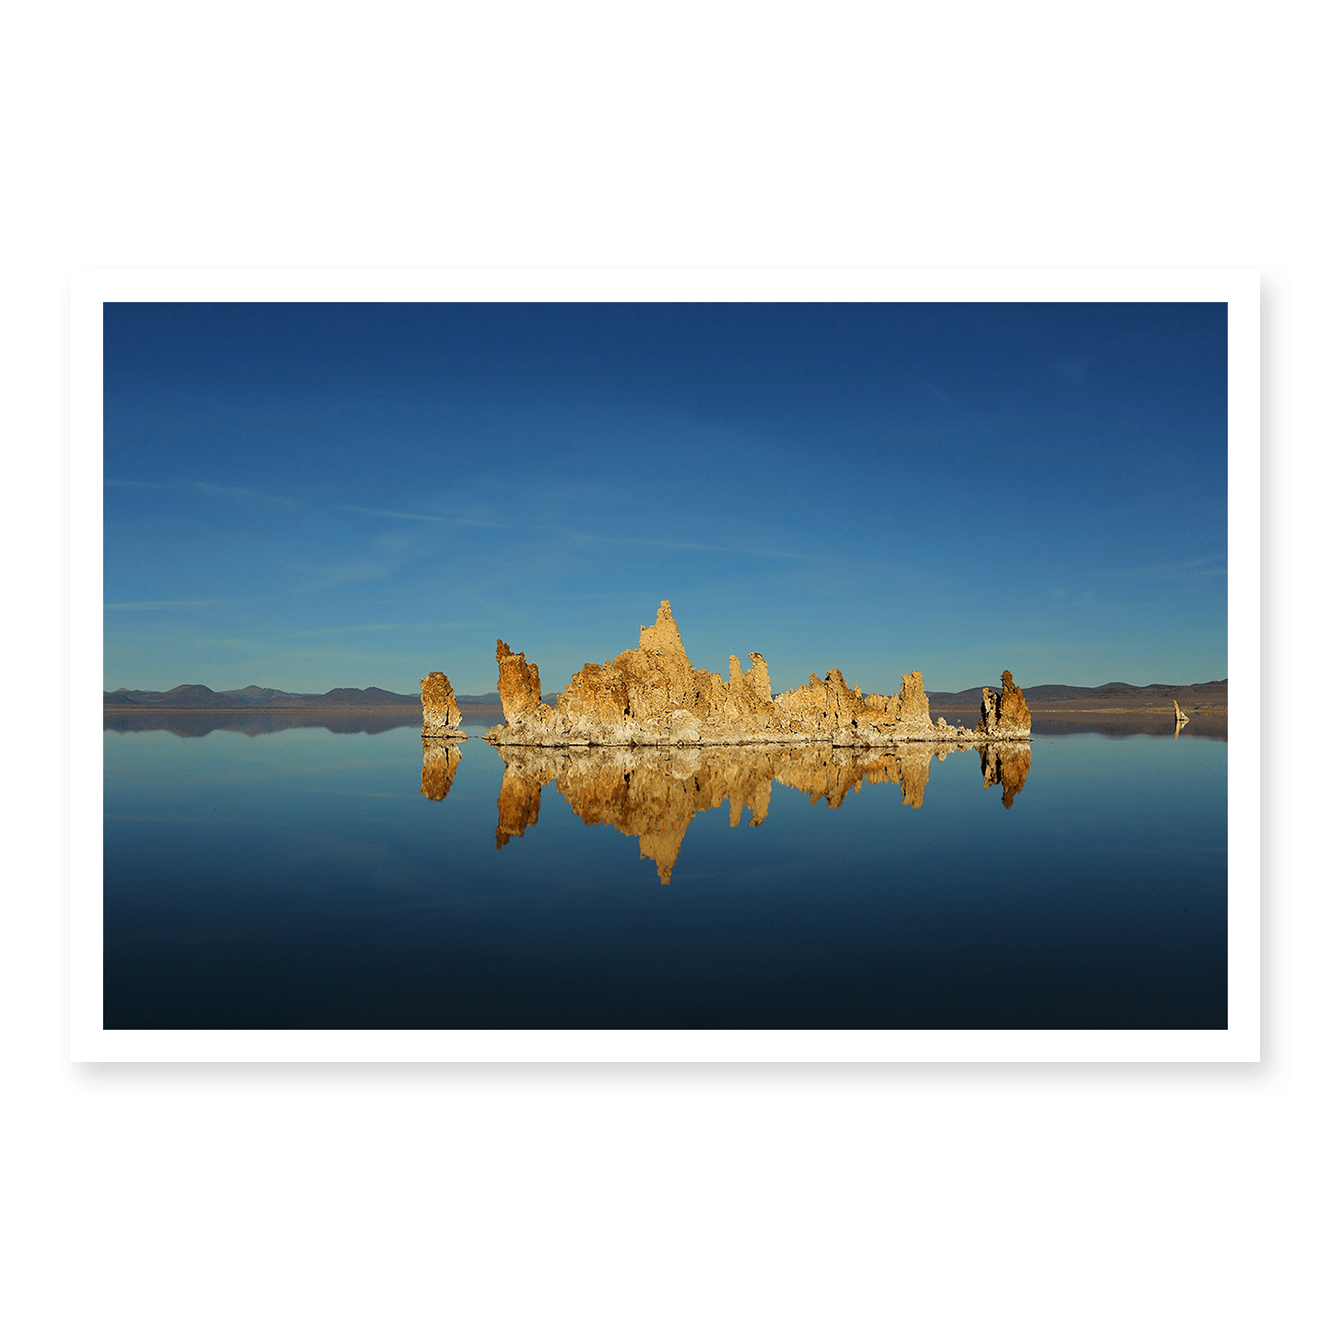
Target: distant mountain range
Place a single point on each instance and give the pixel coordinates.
(1216, 690)
(198, 697)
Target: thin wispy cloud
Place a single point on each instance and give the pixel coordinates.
(167, 604)
(244, 495)
(236, 492)
(423, 517)
(576, 536)
(1186, 570)
(376, 628)
(690, 545)
(321, 579)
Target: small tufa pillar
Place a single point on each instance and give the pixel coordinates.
(441, 716)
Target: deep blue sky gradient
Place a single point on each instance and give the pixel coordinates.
(318, 495)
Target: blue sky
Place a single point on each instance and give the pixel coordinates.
(309, 496)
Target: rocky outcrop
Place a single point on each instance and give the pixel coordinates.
(438, 766)
(442, 716)
(519, 687)
(1006, 714)
(652, 696)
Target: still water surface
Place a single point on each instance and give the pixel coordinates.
(307, 879)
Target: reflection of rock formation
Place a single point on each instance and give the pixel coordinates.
(651, 794)
(823, 772)
(196, 725)
(1005, 714)
(1008, 763)
(1180, 718)
(519, 800)
(438, 766)
(652, 696)
(442, 715)
(654, 793)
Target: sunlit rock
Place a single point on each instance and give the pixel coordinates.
(1005, 715)
(442, 717)
(652, 696)
(519, 687)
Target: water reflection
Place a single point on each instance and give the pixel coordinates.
(198, 725)
(438, 767)
(1008, 765)
(654, 793)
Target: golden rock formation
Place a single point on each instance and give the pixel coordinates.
(653, 696)
(1005, 714)
(438, 766)
(654, 793)
(442, 716)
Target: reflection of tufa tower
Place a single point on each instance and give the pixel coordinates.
(654, 793)
(1008, 763)
(438, 766)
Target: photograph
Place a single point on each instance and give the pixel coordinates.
(795, 665)
(682, 637)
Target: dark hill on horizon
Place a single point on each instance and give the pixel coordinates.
(1065, 696)
(199, 697)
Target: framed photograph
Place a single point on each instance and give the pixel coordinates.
(665, 665)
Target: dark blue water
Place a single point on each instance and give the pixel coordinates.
(299, 879)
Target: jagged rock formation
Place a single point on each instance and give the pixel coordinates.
(654, 793)
(442, 715)
(438, 766)
(1005, 714)
(652, 696)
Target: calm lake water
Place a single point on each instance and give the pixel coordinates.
(301, 878)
